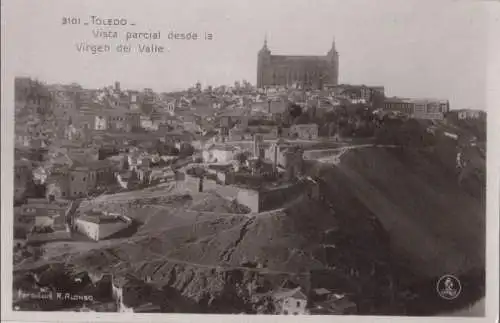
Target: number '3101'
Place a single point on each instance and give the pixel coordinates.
(70, 21)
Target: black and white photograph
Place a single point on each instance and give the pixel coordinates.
(247, 157)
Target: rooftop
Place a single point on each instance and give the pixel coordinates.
(321, 291)
(414, 100)
(127, 279)
(91, 165)
(286, 293)
(233, 113)
(99, 218)
(43, 203)
(222, 147)
(305, 125)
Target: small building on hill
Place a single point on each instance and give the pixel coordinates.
(285, 157)
(219, 154)
(43, 220)
(133, 295)
(304, 131)
(290, 302)
(98, 226)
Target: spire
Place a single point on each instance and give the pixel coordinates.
(264, 49)
(333, 44)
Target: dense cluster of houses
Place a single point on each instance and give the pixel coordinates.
(127, 293)
(94, 140)
(237, 113)
(146, 132)
(41, 220)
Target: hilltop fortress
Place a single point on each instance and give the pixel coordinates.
(300, 71)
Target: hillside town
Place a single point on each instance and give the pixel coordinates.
(95, 169)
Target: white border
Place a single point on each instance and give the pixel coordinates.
(493, 183)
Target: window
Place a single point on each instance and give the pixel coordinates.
(72, 178)
(298, 303)
(84, 179)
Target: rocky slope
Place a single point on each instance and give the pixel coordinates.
(233, 257)
(389, 220)
(434, 215)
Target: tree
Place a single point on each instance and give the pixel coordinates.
(295, 111)
(241, 157)
(377, 99)
(171, 150)
(186, 150)
(302, 119)
(124, 164)
(332, 128)
(403, 133)
(311, 112)
(158, 146)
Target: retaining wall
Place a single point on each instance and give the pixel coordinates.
(270, 198)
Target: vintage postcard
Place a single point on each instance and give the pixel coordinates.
(290, 158)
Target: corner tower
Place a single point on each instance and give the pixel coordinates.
(263, 61)
(333, 62)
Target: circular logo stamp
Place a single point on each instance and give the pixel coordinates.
(448, 287)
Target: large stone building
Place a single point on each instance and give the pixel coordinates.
(301, 71)
(429, 109)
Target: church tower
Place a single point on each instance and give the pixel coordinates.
(333, 60)
(263, 60)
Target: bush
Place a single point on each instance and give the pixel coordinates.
(403, 133)
(186, 150)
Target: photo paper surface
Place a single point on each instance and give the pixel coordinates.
(261, 158)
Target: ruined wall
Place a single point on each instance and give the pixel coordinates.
(265, 200)
(53, 236)
(276, 198)
(209, 184)
(314, 154)
(190, 183)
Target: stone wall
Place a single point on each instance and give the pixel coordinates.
(53, 236)
(268, 199)
(277, 197)
(314, 154)
(192, 183)
(209, 184)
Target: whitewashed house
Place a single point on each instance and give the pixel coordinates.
(291, 302)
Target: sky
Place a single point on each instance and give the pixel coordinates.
(415, 48)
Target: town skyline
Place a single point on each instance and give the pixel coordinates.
(393, 43)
